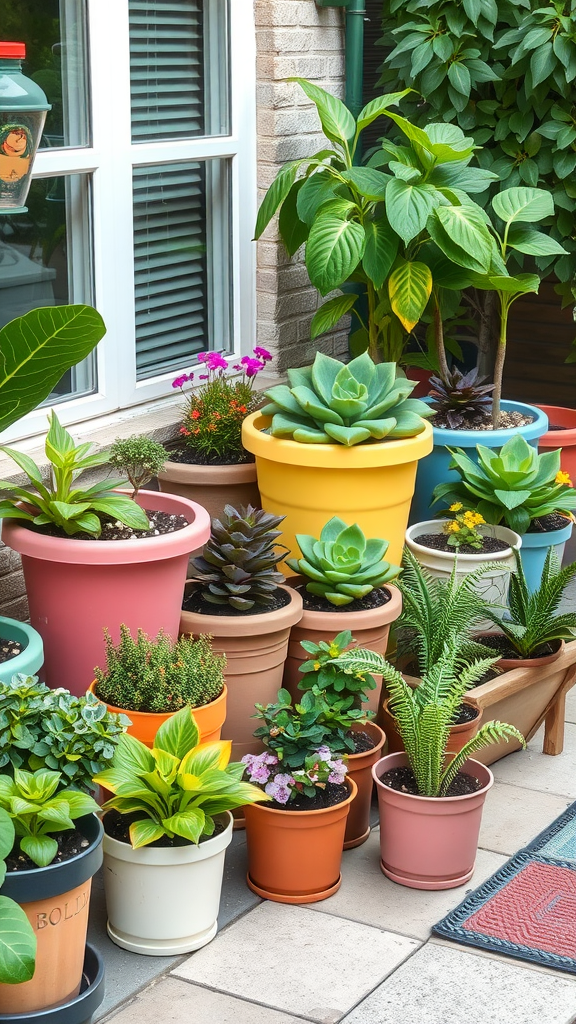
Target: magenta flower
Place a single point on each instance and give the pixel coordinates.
(214, 361)
(251, 366)
(179, 381)
(262, 353)
(279, 788)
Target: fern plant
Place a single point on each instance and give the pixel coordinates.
(424, 715)
(532, 621)
(438, 611)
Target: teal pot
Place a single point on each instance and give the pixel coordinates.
(535, 548)
(433, 469)
(30, 661)
(78, 1010)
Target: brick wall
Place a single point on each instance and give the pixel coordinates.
(13, 601)
(293, 37)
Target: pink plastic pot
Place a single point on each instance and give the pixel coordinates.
(76, 587)
(429, 842)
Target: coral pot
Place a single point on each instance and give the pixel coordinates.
(75, 1011)
(429, 842)
(458, 737)
(76, 587)
(55, 900)
(30, 659)
(213, 487)
(369, 484)
(295, 856)
(164, 901)
(145, 724)
(255, 647)
(369, 629)
(360, 771)
(564, 439)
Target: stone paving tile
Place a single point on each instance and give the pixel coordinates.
(366, 895)
(531, 769)
(513, 816)
(179, 1002)
(291, 959)
(446, 985)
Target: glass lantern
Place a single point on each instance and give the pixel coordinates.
(23, 108)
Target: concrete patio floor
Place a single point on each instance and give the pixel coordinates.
(364, 956)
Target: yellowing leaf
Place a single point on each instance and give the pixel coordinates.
(409, 288)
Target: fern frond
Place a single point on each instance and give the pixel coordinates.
(489, 733)
(532, 621)
(433, 731)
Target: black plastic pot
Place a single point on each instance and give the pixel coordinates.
(78, 1010)
(42, 883)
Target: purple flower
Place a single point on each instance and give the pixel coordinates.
(338, 773)
(251, 366)
(238, 366)
(323, 753)
(214, 361)
(256, 766)
(204, 376)
(262, 353)
(179, 381)
(279, 788)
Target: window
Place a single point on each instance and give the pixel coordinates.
(143, 199)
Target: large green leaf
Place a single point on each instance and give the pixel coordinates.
(378, 107)
(533, 242)
(466, 228)
(408, 207)
(293, 231)
(337, 121)
(409, 287)
(6, 834)
(330, 313)
(317, 189)
(527, 205)
(37, 349)
(275, 195)
(178, 734)
(368, 181)
(17, 944)
(380, 250)
(333, 251)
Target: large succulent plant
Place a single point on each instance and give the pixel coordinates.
(347, 403)
(342, 566)
(460, 397)
(239, 562)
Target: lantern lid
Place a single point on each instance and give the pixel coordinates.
(15, 50)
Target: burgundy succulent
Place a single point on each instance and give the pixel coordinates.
(461, 397)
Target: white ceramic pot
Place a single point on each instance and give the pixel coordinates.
(493, 586)
(163, 901)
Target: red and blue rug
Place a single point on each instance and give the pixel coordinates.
(527, 909)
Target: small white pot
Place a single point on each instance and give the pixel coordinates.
(493, 586)
(163, 901)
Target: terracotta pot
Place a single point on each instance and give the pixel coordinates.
(429, 842)
(509, 664)
(369, 628)
(295, 856)
(564, 439)
(213, 487)
(255, 647)
(459, 734)
(76, 587)
(360, 771)
(56, 901)
(78, 1010)
(145, 724)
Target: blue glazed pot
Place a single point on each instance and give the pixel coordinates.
(535, 548)
(31, 659)
(433, 469)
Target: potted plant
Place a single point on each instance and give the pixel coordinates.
(340, 440)
(295, 849)
(93, 556)
(49, 874)
(209, 463)
(344, 582)
(347, 692)
(430, 805)
(237, 597)
(166, 831)
(149, 680)
(532, 632)
(21, 649)
(517, 486)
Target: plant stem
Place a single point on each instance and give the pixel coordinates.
(439, 338)
(499, 363)
(372, 325)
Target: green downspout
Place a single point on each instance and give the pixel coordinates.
(354, 49)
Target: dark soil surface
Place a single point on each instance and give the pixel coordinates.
(439, 541)
(118, 826)
(70, 844)
(466, 713)
(194, 602)
(328, 797)
(402, 779)
(553, 521)
(362, 742)
(558, 426)
(508, 420)
(160, 523)
(502, 646)
(195, 458)
(9, 649)
(375, 599)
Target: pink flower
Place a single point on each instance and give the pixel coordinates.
(179, 381)
(251, 366)
(262, 353)
(279, 788)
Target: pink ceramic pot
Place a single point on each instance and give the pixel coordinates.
(429, 842)
(76, 587)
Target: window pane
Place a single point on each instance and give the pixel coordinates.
(46, 260)
(54, 32)
(182, 257)
(178, 68)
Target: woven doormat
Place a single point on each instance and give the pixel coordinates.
(527, 909)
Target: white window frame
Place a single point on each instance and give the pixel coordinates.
(109, 161)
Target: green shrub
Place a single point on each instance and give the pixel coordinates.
(140, 457)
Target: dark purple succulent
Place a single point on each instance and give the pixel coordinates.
(461, 397)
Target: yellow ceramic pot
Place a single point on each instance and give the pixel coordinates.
(369, 484)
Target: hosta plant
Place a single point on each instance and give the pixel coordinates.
(139, 457)
(320, 673)
(424, 714)
(239, 564)
(39, 809)
(348, 403)
(175, 790)
(533, 621)
(58, 502)
(294, 731)
(17, 938)
(460, 399)
(513, 485)
(342, 566)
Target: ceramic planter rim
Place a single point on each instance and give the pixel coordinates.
(190, 472)
(116, 709)
(353, 789)
(564, 438)
(549, 538)
(56, 879)
(261, 622)
(465, 557)
(381, 615)
(165, 856)
(379, 768)
(444, 436)
(78, 1010)
(510, 664)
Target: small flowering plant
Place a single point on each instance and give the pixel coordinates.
(320, 768)
(320, 673)
(214, 412)
(463, 528)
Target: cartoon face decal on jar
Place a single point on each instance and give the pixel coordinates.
(15, 149)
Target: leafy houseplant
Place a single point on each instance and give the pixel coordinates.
(320, 672)
(294, 732)
(140, 458)
(462, 528)
(17, 937)
(177, 796)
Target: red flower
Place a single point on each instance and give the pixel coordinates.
(195, 415)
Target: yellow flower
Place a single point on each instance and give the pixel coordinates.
(563, 478)
(453, 527)
(456, 506)
(316, 666)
